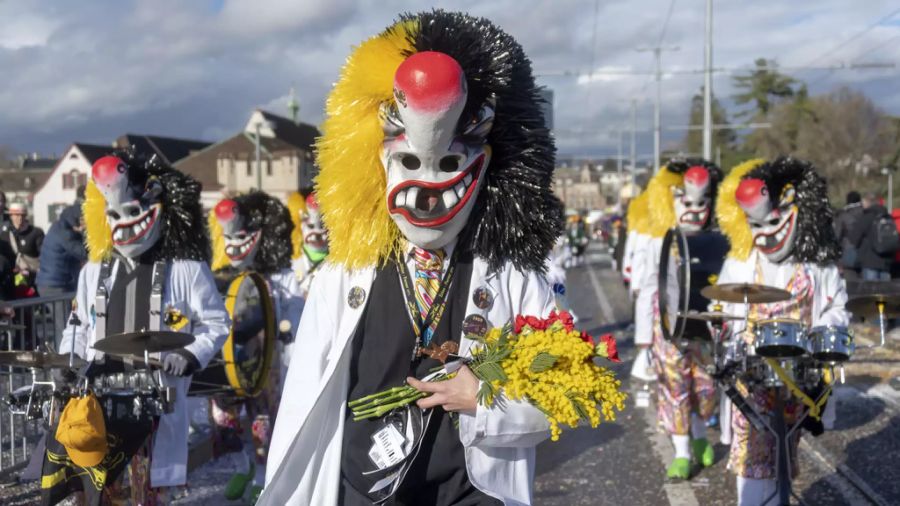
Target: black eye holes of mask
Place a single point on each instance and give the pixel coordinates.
(787, 200)
(134, 209)
(473, 129)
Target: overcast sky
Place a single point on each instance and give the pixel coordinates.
(91, 70)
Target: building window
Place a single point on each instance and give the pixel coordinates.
(269, 168)
(249, 168)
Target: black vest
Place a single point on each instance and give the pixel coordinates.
(381, 358)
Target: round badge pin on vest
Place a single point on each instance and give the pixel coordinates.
(356, 297)
(475, 324)
(483, 298)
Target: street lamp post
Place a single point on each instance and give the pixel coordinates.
(889, 172)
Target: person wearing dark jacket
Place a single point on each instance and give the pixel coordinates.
(25, 240)
(62, 254)
(875, 266)
(844, 221)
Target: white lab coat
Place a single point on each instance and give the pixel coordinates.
(189, 288)
(305, 452)
(829, 288)
(288, 298)
(633, 262)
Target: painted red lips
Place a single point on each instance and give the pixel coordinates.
(432, 204)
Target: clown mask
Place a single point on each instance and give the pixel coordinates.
(315, 237)
(132, 209)
(693, 200)
(773, 223)
(241, 243)
(434, 157)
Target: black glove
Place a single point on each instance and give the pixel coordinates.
(63, 376)
(181, 363)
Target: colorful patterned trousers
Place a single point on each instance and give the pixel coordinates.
(684, 385)
(752, 453)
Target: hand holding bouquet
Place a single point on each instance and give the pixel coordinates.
(544, 362)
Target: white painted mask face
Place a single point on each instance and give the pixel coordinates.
(693, 200)
(315, 236)
(241, 244)
(435, 159)
(774, 228)
(132, 212)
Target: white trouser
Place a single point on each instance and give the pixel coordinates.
(752, 492)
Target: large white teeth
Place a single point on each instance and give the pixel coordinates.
(761, 241)
(411, 196)
(450, 199)
(467, 179)
(400, 199)
(460, 190)
(120, 234)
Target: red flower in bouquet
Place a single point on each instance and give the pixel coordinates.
(607, 348)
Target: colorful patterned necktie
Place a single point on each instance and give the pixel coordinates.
(429, 266)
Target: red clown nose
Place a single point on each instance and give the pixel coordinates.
(311, 202)
(430, 81)
(697, 176)
(107, 170)
(226, 210)
(753, 197)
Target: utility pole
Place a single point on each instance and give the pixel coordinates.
(619, 169)
(707, 86)
(657, 54)
(258, 160)
(633, 132)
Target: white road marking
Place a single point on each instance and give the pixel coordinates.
(681, 493)
(605, 307)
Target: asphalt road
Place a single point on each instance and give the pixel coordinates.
(623, 463)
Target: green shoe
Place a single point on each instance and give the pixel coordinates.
(679, 469)
(255, 490)
(234, 490)
(703, 452)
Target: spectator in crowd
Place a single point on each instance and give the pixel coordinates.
(876, 240)
(25, 241)
(844, 222)
(62, 254)
(3, 216)
(7, 272)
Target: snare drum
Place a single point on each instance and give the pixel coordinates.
(241, 368)
(780, 338)
(759, 372)
(831, 343)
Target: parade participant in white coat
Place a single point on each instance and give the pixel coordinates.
(633, 272)
(777, 218)
(146, 235)
(435, 187)
(309, 238)
(252, 233)
(683, 194)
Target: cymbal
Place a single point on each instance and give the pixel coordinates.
(745, 292)
(866, 306)
(711, 316)
(37, 360)
(134, 343)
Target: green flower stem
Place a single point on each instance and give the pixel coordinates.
(383, 393)
(379, 411)
(385, 401)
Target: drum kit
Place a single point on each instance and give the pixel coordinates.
(133, 394)
(781, 355)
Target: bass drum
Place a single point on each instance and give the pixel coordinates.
(241, 368)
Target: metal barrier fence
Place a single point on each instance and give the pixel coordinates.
(26, 324)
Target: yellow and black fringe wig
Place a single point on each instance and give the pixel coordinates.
(263, 212)
(637, 214)
(184, 235)
(661, 202)
(516, 217)
(815, 240)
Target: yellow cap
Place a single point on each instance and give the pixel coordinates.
(82, 431)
